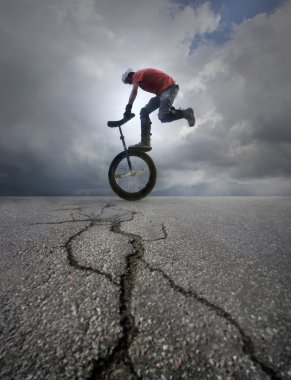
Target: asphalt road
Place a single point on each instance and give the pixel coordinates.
(164, 288)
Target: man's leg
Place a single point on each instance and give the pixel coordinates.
(168, 113)
(145, 120)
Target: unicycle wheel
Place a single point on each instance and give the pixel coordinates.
(134, 184)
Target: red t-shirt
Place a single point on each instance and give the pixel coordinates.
(152, 80)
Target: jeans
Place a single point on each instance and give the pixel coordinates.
(164, 102)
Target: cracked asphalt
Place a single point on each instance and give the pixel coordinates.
(165, 288)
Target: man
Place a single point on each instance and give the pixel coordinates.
(166, 90)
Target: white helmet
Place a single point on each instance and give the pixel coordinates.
(125, 75)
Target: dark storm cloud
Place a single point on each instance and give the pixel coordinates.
(43, 103)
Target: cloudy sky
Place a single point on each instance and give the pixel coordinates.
(60, 81)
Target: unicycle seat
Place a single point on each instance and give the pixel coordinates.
(119, 123)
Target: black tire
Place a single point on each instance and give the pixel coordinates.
(137, 186)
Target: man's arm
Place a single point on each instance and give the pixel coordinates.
(133, 94)
(131, 99)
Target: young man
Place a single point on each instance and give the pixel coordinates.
(165, 90)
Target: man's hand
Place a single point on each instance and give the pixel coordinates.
(127, 112)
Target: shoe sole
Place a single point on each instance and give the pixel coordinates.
(192, 123)
(138, 148)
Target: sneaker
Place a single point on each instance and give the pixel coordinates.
(189, 116)
(146, 147)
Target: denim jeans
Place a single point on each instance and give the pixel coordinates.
(164, 102)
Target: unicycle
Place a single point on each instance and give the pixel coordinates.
(132, 173)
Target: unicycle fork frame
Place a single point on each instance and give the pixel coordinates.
(125, 148)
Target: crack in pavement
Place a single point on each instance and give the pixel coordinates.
(127, 321)
(74, 263)
(248, 346)
(103, 366)
(70, 256)
(66, 221)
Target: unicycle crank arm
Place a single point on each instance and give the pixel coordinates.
(119, 176)
(140, 171)
(130, 173)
